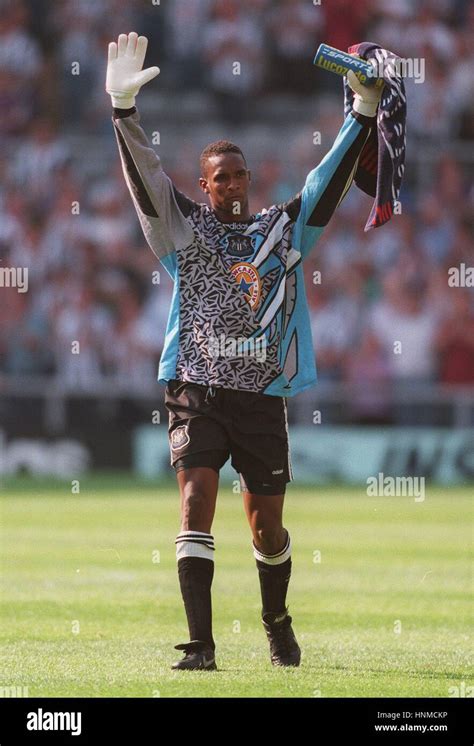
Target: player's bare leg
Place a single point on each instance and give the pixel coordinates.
(272, 551)
(198, 491)
(264, 514)
(194, 553)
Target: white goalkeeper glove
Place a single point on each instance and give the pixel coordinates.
(125, 76)
(366, 98)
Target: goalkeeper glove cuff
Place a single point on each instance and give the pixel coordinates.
(367, 108)
(121, 100)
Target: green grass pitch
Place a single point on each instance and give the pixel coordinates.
(379, 593)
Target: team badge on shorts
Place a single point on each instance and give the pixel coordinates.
(179, 437)
(248, 280)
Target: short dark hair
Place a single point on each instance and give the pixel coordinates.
(218, 148)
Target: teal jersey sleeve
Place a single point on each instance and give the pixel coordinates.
(327, 184)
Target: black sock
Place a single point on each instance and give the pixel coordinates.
(274, 581)
(274, 572)
(195, 579)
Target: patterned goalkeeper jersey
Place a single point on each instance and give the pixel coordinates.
(239, 317)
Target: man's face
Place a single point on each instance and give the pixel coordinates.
(227, 183)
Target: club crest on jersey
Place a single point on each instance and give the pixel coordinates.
(248, 281)
(237, 244)
(179, 437)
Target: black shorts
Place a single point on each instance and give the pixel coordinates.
(208, 423)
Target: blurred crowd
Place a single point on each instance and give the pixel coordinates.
(90, 272)
(52, 54)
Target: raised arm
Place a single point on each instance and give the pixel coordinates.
(327, 184)
(161, 208)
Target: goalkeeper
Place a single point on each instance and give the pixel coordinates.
(238, 340)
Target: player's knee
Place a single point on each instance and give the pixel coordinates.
(269, 539)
